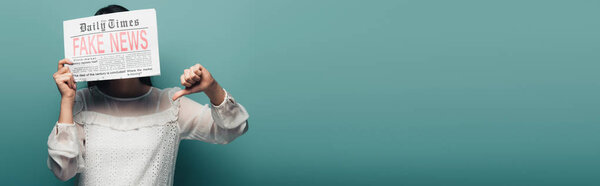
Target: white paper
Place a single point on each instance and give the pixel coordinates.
(113, 46)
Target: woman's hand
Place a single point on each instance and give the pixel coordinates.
(64, 80)
(198, 79)
(67, 88)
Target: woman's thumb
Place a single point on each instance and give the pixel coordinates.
(180, 93)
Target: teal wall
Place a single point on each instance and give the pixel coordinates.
(348, 92)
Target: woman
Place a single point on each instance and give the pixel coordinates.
(126, 132)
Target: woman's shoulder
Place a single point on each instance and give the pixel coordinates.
(81, 96)
(81, 90)
(164, 97)
(169, 91)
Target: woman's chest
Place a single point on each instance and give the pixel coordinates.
(130, 157)
(107, 144)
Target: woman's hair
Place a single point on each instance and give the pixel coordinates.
(107, 10)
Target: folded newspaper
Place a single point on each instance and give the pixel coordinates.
(113, 46)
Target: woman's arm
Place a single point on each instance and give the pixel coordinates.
(219, 123)
(67, 88)
(64, 141)
(64, 150)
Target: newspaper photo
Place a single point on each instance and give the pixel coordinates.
(113, 46)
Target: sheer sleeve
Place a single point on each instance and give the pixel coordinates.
(65, 144)
(214, 124)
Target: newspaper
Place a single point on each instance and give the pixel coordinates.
(113, 46)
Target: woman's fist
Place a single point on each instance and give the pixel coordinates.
(197, 79)
(64, 79)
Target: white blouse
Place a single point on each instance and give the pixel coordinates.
(134, 141)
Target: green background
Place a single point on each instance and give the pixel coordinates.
(350, 92)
